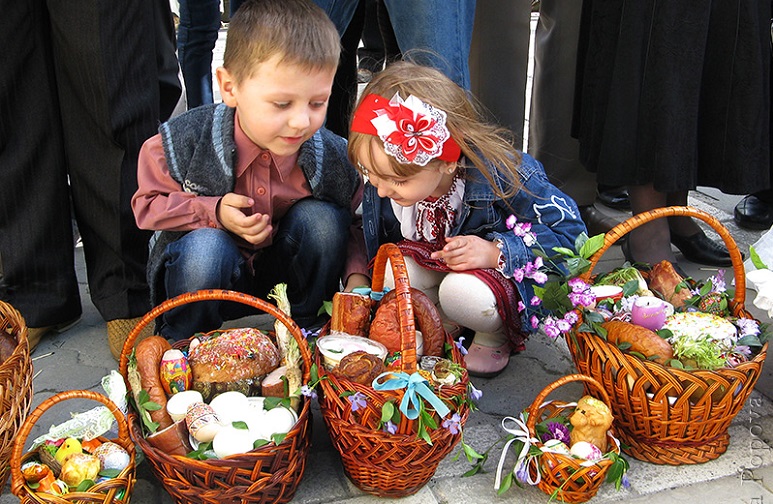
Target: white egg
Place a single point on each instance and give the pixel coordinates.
(276, 421)
(230, 441)
(230, 407)
(177, 406)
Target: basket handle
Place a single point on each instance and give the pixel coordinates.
(17, 480)
(215, 295)
(617, 232)
(535, 406)
(391, 252)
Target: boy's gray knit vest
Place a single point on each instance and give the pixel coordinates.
(200, 152)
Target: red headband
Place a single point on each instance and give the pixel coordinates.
(413, 132)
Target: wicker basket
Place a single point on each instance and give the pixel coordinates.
(562, 474)
(15, 386)
(115, 490)
(667, 415)
(267, 474)
(379, 463)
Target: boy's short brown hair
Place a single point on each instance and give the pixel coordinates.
(297, 30)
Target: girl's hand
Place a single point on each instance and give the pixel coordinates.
(253, 228)
(468, 252)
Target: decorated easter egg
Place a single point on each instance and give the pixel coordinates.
(112, 456)
(177, 405)
(202, 422)
(555, 446)
(586, 450)
(33, 472)
(175, 372)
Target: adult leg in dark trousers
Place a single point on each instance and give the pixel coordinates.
(96, 98)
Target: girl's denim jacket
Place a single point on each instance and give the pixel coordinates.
(554, 216)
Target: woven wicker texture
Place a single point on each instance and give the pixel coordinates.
(104, 492)
(267, 474)
(15, 386)
(667, 415)
(572, 481)
(383, 464)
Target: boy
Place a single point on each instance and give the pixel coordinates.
(253, 191)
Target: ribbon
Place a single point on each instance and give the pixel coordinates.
(415, 385)
(521, 433)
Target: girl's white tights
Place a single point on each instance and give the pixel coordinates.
(461, 299)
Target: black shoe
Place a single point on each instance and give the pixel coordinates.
(753, 213)
(700, 249)
(614, 197)
(626, 247)
(595, 220)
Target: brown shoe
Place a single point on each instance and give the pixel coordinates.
(118, 331)
(35, 334)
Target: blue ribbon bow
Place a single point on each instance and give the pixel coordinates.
(414, 385)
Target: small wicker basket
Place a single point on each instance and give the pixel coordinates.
(563, 475)
(667, 415)
(115, 490)
(15, 386)
(379, 463)
(269, 474)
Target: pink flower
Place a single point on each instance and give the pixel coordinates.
(521, 306)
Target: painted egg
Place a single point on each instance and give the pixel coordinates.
(586, 450)
(112, 456)
(555, 446)
(230, 441)
(230, 407)
(202, 422)
(175, 372)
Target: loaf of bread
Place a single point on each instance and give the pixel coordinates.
(641, 339)
(385, 327)
(234, 360)
(360, 367)
(350, 313)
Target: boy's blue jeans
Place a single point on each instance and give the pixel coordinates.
(308, 253)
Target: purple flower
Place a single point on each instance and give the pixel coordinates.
(563, 325)
(571, 317)
(510, 222)
(358, 401)
(718, 282)
(460, 346)
(625, 482)
(748, 326)
(539, 277)
(308, 392)
(551, 327)
(534, 322)
(535, 301)
(518, 274)
(390, 427)
(522, 472)
(577, 285)
(306, 333)
(521, 306)
(743, 350)
(556, 430)
(475, 394)
(452, 424)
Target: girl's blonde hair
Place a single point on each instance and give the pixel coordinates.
(297, 30)
(481, 142)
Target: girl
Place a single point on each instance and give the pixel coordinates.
(442, 183)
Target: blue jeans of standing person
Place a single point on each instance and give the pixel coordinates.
(196, 37)
(433, 32)
(308, 253)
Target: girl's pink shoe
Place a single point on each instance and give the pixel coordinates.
(486, 362)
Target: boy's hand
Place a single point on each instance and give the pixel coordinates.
(253, 228)
(468, 252)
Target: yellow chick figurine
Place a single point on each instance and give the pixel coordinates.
(70, 446)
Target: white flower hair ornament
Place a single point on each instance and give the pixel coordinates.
(413, 132)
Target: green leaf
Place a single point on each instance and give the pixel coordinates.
(110, 473)
(387, 410)
(327, 307)
(507, 482)
(565, 251)
(591, 246)
(630, 288)
(151, 406)
(260, 442)
(278, 437)
(638, 354)
(314, 372)
(676, 364)
(756, 259)
(470, 453)
(625, 345)
(240, 425)
(143, 396)
(85, 485)
(750, 340)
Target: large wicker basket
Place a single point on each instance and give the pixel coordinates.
(562, 475)
(114, 490)
(383, 464)
(267, 474)
(667, 415)
(15, 386)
